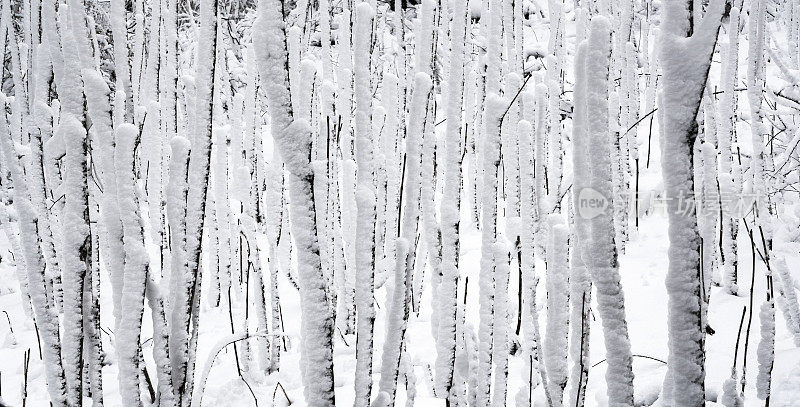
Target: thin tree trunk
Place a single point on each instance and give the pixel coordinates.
(186, 293)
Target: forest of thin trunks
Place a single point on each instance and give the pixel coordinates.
(237, 198)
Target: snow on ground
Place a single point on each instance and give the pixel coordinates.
(643, 267)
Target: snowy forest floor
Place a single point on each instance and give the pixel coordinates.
(643, 267)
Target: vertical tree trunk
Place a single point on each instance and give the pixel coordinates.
(729, 169)
(451, 210)
(46, 318)
(293, 140)
(601, 258)
(684, 82)
(491, 163)
(580, 284)
(186, 293)
(122, 67)
(77, 240)
(136, 267)
(365, 204)
(77, 253)
(501, 323)
(555, 343)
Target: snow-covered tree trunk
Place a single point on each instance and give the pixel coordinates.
(158, 314)
(365, 203)
(92, 344)
(51, 243)
(487, 278)
(510, 153)
(138, 61)
(618, 173)
(451, 210)
(168, 69)
(75, 222)
(555, 341)
(275, 316)
(136, 266)
(491, 163)
(431, 232)
(392, 154)
(346, 188)
(293, 140)
(186, 293)
(787, 299)
(729, 169)
(122, 67)
(554, 82)
(730, 393)
(760, 165)
(260, 303)
(99, 110)
(685, 78)
(472, 112)
(601, 255)
(252, 218)
(399, 310)
(709, 201)
(427, 30)
(530, 280)
(766, 349)
(397, 321)
(580, 284)
(177, 190)
(223, 222)
(501, 323)
(46, 318)
(152, 136)
(39, 128)
(274, 214)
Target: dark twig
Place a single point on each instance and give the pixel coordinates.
(514, 99)
(26, 365)
(738, 336)
(639, 121)
(636, 356)
(750, 317)
(10, 327)
(288, 400)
